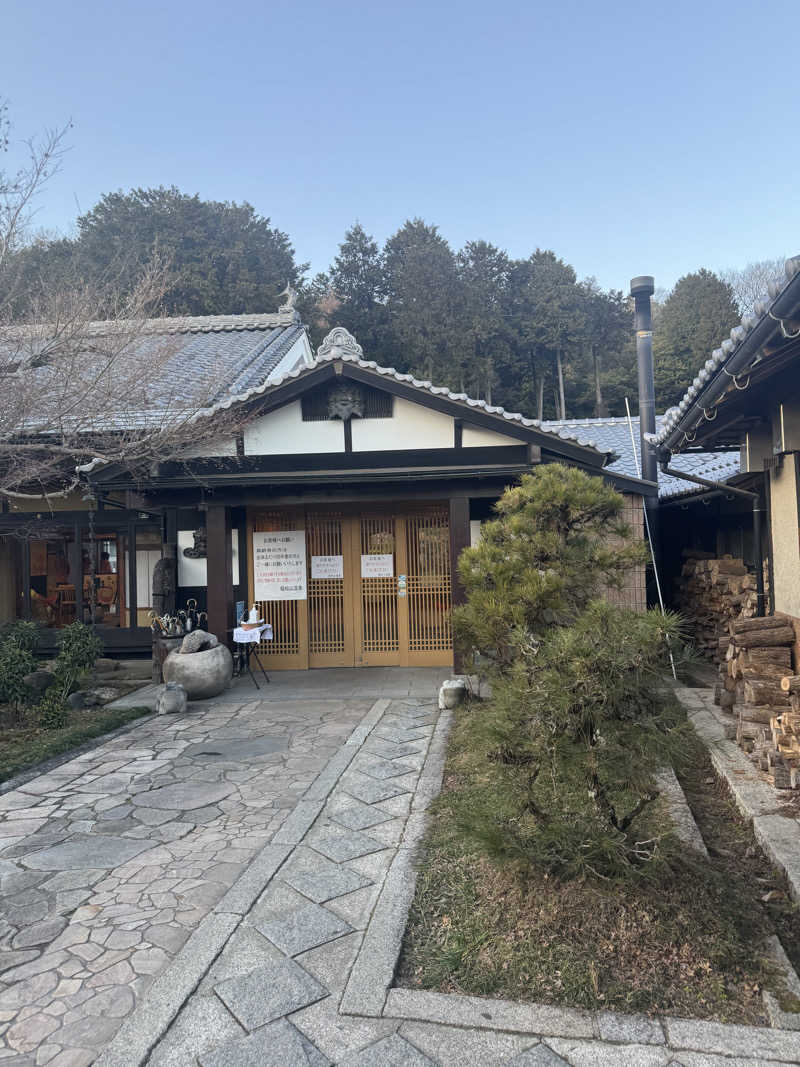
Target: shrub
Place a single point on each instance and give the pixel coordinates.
(52, 712)
(24, 634)
(15, 663)
(580, 718)
(79, 647)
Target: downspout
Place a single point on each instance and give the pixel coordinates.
(755, 497)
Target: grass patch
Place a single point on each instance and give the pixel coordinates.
(24, 746)
(684, 942)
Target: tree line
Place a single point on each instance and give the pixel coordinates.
(525, 333)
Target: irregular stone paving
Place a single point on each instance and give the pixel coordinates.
(110, 861)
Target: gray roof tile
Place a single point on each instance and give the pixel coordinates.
(613, 435)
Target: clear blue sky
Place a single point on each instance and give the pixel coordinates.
(629, 138)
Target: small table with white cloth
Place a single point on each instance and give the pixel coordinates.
(246, 641)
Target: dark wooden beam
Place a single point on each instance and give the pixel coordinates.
(459, 540)
(220, 572)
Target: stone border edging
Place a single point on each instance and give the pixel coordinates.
(152, 1017)
(758, 802)
(374, 968)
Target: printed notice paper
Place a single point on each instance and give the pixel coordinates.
(279, 564)
(378, 565)
(327, 567)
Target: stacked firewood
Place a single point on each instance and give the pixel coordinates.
(753, 689)
(710, 593)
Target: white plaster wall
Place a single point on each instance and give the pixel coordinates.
(219, 446)
(283, 433)
(476, 436)
(785, 543)
(299, 355)
(411, 426)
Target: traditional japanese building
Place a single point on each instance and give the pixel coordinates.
(339, 507)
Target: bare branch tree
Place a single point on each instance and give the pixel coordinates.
(88, 379)
(750, 283)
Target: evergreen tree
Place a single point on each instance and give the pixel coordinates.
(224, 257)
(422, 301)
(695, 319)
(578, 722)
(358, 283)
(483, 274)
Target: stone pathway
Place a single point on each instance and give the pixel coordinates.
(110, 861)
(292, 962)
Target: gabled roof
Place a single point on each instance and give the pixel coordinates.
(340, 347)
(758, 335)
(613, 434)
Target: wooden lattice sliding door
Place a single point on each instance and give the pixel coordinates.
(289, 647)
(331, 640)
(391, 605)
(381, 624)
(430, 641)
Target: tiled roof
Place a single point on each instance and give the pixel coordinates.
(564, 433)
(614, 435)
(717, 363)
(226, 354)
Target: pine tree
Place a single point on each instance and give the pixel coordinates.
(577, 723)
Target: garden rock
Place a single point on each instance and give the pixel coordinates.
(39, 681)
(103, 694)
(198, 641)
(77, 700)
(452, 693)
(204, 674)
(171, 699)
(103, 665)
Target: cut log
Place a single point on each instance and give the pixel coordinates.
(791, 683)
(752, 657)
(762, 638)
(763, 713)
(768, 622)
(763, 691)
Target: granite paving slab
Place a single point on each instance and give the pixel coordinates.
(370, 791)
(269, 993)
(303, 928)
(338, 843)
(333, 880)
(392, 1051)
(276, 1045)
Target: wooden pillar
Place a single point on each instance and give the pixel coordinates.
(26, 579)
(133, 591)
(459, 540)
(76, 569)
(220, 572)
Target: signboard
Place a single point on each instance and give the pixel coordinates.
(377, 565)
(279, 564)
(327, 567)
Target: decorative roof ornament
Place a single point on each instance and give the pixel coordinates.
(340, 344)
(291, 298)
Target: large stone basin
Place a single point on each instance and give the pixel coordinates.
(202, 674)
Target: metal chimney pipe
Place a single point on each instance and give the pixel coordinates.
(642, 289)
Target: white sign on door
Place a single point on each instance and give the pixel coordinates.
(377, 565)
(327, 567)
(279, 564)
